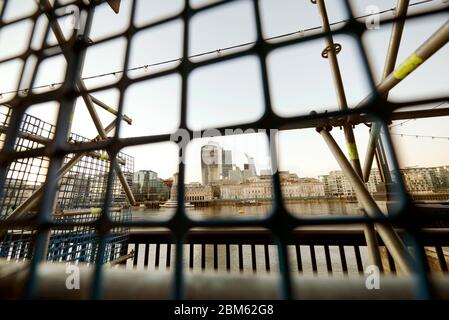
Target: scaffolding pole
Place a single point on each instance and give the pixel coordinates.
(390, 62)
(389, 236)
(45, 141)
(103, 135)
(436, 41)
(330, 52)
(110, 109)
(90, 106)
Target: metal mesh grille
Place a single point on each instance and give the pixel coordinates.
(59, 150)
(81, 190)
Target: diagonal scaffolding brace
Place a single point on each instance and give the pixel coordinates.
(389, 236)
(89, 103)
(330, 52)
(435, 42)
(392, 77)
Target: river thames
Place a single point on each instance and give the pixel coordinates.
(298, 208)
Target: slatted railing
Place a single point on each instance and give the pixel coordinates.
(310, 251)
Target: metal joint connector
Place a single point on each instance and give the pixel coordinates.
(336, 48)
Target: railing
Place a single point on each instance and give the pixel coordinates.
(318, 251)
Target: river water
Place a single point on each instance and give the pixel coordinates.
(298, 208)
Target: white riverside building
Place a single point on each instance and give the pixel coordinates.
(417, 180)
(223, 180)
(260, 187)
(194, 192)
(336, 184)
(426, 180)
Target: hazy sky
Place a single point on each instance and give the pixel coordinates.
(231, 92)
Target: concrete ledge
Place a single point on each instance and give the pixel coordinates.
(125, 284)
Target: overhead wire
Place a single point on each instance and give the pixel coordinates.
(146, 67)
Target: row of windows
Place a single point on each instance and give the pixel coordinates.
(195, 198)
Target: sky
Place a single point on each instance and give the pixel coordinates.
(230, 93)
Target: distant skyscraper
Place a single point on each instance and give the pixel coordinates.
(251, 166)
(147, 186)
(226, 163)
(210, 162)
(216, 163)
(235, 175)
